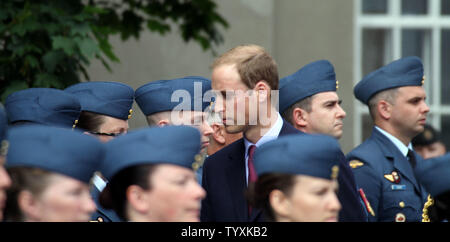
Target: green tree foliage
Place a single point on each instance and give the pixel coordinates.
(49, 43)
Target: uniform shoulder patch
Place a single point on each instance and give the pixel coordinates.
(355, 164)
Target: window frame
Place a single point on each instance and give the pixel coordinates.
(394, 21)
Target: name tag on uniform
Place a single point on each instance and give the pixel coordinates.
(398, 187)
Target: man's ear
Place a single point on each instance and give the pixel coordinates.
(218, 133)
(263, 91)
(300, 118)
(384, 109)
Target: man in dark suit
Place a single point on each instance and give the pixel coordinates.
(308, 100)
(383, 164)
(246, 77)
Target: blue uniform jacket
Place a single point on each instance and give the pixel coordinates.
(387, 179)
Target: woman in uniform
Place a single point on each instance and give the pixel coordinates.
(297, 179)
(50, 169)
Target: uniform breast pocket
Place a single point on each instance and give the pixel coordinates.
(402, 206)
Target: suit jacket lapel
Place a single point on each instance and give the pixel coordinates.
(400, 162)
(236, 178)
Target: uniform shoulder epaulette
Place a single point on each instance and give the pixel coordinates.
(355, 164)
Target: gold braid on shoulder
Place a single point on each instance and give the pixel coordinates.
(425, 217)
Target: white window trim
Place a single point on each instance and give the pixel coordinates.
(394, 21)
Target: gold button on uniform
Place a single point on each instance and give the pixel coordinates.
(402, 204)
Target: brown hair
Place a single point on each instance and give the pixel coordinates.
(258, 192)
(89, 121)
(32, 179)
(252, 63)
(114, 196)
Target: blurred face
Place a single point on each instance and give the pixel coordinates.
(194, 119)
(234, 98)
(326, 116)
(175, 195)
(430, 151)
(313, 199)
(409, 113)
(112, 126)
(65, 199)
(5, 182)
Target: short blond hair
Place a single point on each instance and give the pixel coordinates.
(253, 64)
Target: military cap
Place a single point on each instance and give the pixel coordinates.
(59, 150)
(113, 99)
(427, 137)
(315, 77)
(3, 128)
(406, 71)
(300, 154)
(159, 96)
(177, 145)
(46, 106)
(433, 174)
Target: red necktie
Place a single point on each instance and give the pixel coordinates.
(251, 170)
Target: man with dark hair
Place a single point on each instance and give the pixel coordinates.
(308, 100)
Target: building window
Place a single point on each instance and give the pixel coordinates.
(386, 30)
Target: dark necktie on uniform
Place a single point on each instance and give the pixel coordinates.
(412, 158)
(251, 170)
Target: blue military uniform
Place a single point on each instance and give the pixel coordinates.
(314, 78)
(380, 164)
(54, 149)
(191, 93)
(47, 106)
(176, 145)
(112, 99)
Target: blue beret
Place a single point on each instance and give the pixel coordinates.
(3, 124)
(156, 96)
(315, 77)
(108, 98)
(46, 106)
(433, 174)
(300, 154)
(59, 150)
(177, 145)
(407, 71)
